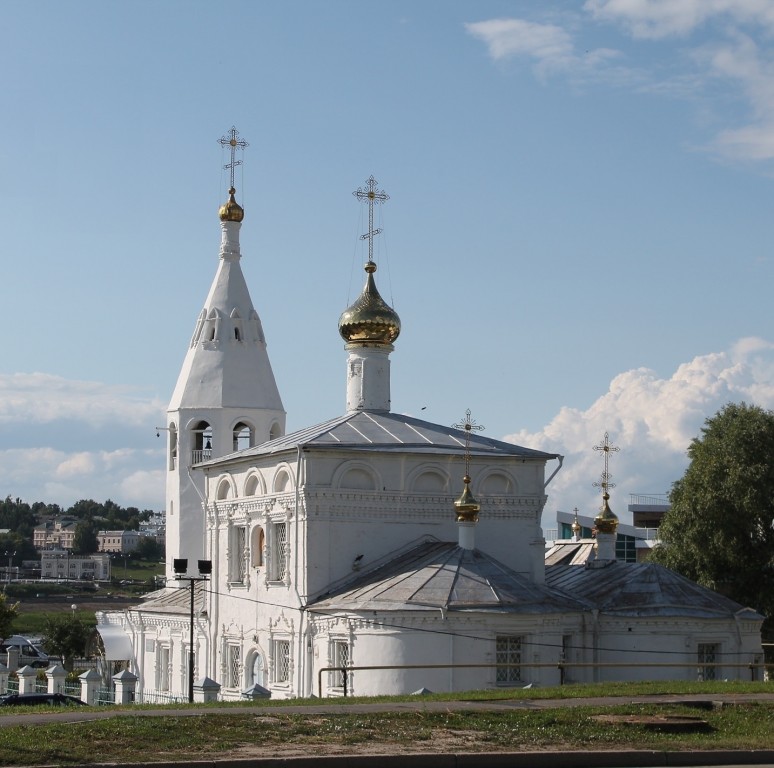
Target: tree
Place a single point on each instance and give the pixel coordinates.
(8, 612)
(149, 548)
(67, 636)
(719, 530)
(85, 540)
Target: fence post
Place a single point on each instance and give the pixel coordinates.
(13, 658)
(56, 678)
(125, 683)
(91, 682)
(3, 678)
(27, 677)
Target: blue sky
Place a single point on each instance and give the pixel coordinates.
(578, 237)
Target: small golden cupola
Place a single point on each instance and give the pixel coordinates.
(466, 506)
(370, 319)
(606, 521)
(231, 210)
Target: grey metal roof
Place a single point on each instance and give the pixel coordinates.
(174, 600)
(377, 431)
(642, 590)
(437, 575)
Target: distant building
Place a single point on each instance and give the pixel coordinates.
(122, 542)
(633, 542)
(60, 564)
(54, 534)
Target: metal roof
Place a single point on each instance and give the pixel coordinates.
(442, 575)
(642, 590)
(377, 431)
(174, 600)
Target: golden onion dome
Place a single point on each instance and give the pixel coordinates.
(466, 506)
(370, 319)
(231, 210)
(606, 521)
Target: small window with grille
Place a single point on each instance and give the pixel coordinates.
(279, 553)
(708, 657)
(508, 659)
(340, 659)
(238, 555)
(281, 661)
(233, 666)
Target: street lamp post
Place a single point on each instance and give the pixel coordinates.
(10, 556)
(180, 566)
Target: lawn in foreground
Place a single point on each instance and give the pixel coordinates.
(129, 738)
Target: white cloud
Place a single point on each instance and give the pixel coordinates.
(665, 18)
(550, 47)
(734, 52)
(652, 421)
(44, 398)
(128, 476)
(741, 62)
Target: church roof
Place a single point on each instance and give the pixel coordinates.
(437, 575)
(378, 431)
(174, 600)
(641, 590)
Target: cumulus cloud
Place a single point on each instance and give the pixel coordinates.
(85, 444)
(44, 398)
(129, 477)
(652, 420)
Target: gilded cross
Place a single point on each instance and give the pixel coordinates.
(233, 142)
(372, 196)
(604, 482)
(469, 425)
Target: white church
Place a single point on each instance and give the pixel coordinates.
(375, 553)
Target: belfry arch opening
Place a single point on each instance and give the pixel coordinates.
(202, 436)
(243, 436)
(172, 447)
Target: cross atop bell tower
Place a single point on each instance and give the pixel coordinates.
(233, 142)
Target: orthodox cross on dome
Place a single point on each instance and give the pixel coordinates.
(604, 481)
(233, 142)
(469, 425)
(372, 196)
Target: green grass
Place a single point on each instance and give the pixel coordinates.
(220, 734)
(32, 623)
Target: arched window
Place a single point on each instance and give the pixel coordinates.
(236, 323)
(275, 432)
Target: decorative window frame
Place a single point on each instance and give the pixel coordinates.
(237, 554)
(281, 661)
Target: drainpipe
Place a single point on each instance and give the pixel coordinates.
(301, 656)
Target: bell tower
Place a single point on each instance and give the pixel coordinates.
(226, 398)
